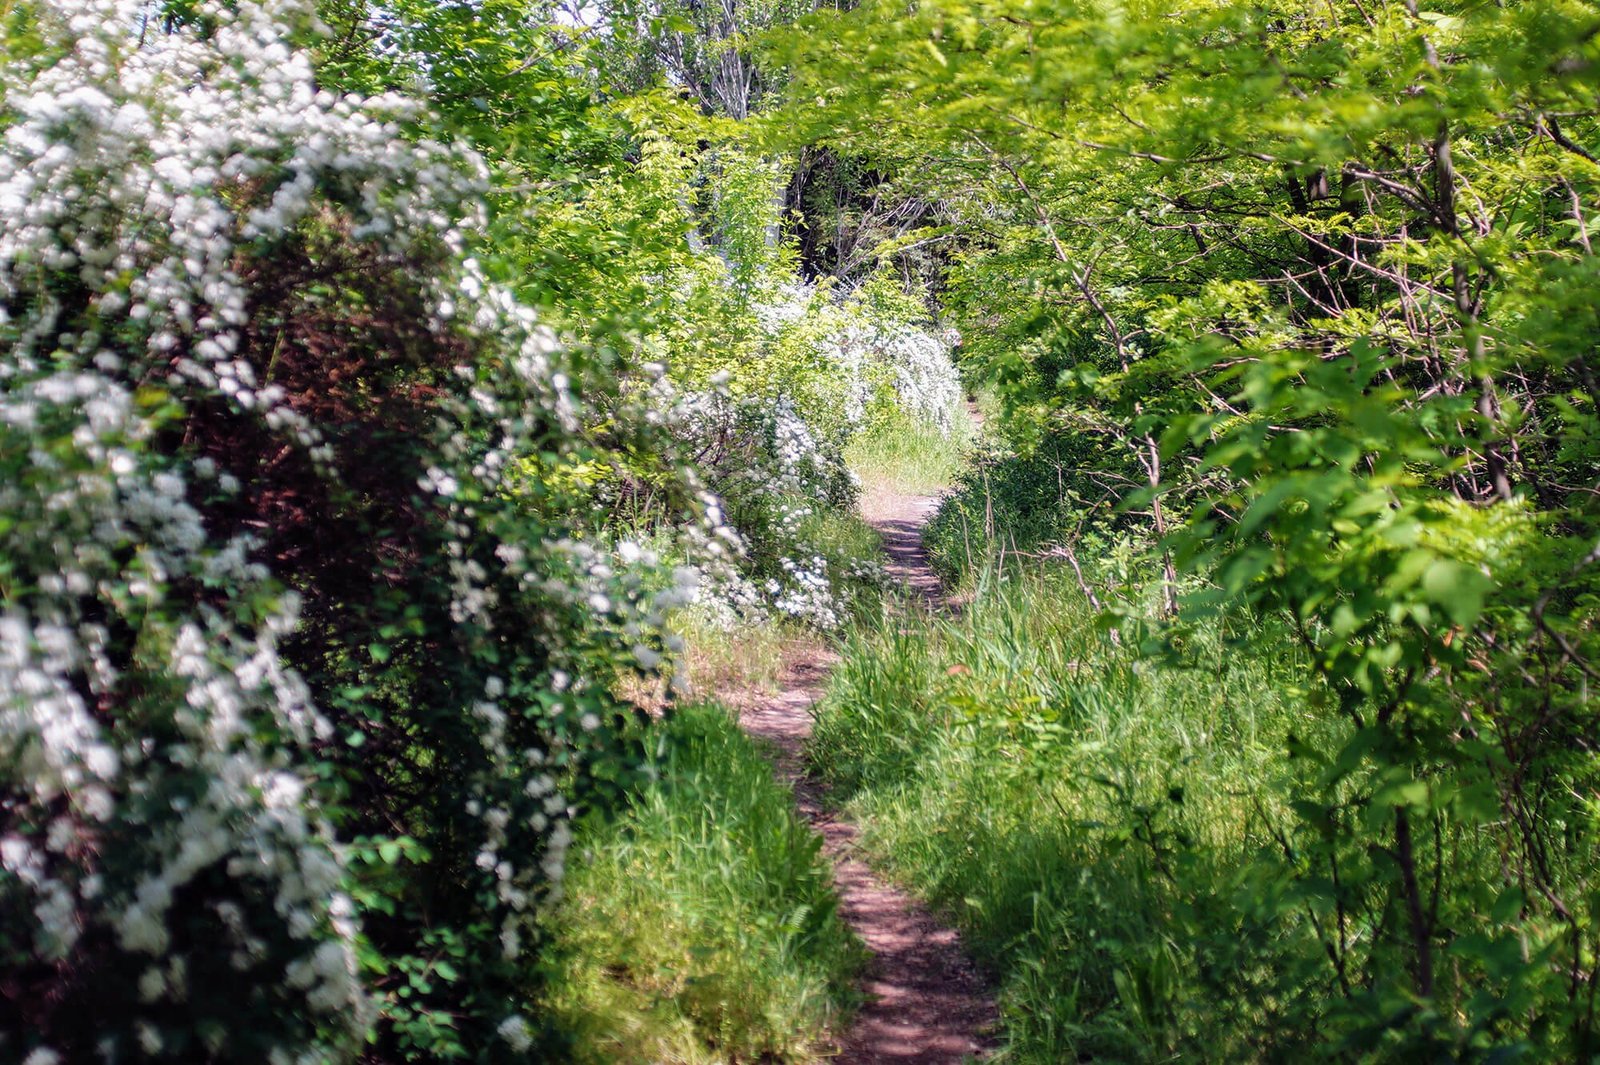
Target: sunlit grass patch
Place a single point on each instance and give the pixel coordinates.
(700, 926)
(732, 662)
(1077, 812)
(908, 457)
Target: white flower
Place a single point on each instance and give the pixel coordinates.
(515, 1031)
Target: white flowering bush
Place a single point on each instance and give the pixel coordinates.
(301, 669)
(770, 471)
(770, 430)
(924, 378)
(852, 363)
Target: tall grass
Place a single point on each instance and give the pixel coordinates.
(1083, 816)
(906, 457)
(1061, 489)
(701, 926)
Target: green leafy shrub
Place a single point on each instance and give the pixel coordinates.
(1060, 491)
(1323, 275)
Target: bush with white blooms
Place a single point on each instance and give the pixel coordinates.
(771, 437)
(298, 691)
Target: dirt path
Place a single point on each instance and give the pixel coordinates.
(925, 1003)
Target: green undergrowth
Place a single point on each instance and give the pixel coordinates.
(903, 456)
(1061, 490)
(701, 925)
(1084, 816)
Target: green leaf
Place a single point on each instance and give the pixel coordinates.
(1458, 588)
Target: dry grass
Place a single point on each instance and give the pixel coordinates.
(732, 667)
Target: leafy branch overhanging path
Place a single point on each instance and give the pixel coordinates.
(925, 1001)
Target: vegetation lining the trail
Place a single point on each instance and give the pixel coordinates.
(370, 402)
(1137, 824)
(700, 925)
(381, 380)
(1306, 292)
(1087, 820)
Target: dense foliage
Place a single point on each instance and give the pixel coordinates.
(1303, 290)
(288, 725)
(382, 384)
(323, 556)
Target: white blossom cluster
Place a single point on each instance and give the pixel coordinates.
(726, 599)
(156, 755)
(805, 593)
(867, 353)
(768, 442)
(113, 174)
(925, 380)
(774, 459)
(787, 305)
(777, 449)
(912, 362)
(799, 463)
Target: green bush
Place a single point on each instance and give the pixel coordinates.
(304, 670)
(1065, 488)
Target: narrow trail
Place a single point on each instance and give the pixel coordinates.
(925, 1002)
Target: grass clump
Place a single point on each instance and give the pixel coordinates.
(701, 925)
(1059, 491)
(904, 456)
(1085, 818)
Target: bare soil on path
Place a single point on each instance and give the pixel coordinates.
(925, 1002)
